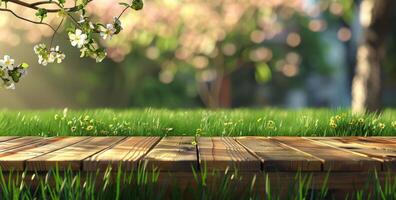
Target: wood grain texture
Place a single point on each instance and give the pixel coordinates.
(250, 154)
(19, 142)
(277, 157)
(333, 159)
(6, 138)
(385, 142)
(173, 154)
(220, 153)
(73, 155)
(128, 153)
(372, 147)
(15, 159)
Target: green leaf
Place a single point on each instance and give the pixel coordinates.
(124, 4)
(15, 75)
(24, 65)
(137, 4)
(263, 73)
(41, 13)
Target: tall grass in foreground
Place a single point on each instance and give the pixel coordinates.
(142, 184)
(161, 122)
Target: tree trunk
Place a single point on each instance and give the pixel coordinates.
(366, 86)
(216, 94)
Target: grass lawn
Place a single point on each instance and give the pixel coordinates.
(161, 122)
(142, 184)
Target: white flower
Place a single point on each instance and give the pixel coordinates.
(82, 19)
(91, 25)
(56, 55)
(60, 57)
(38, 48)
(43, 61)
(108, 32)
(56, 49)
(7, 62)
(78, 38)
(84, 52)
(10, 85)
(99, 57)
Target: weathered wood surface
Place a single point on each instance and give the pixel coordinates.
(379, 149)
(333, 159)
(246, 154)
(220, 153)
(127, 153)
(7, 145)
(278, 157)
(15, 159)
(6, 138)
(173, 154)
(73, 155)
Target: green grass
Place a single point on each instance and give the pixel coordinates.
(145, 184)
(160, 122)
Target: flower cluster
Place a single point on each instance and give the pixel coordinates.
(334, 120)
(85, 124)
(111, 29)
(9, 73)
(81, 34)
(82, 37)
(46, 56)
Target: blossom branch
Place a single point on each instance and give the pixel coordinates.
(35, 5)
(81, 35)
(26, 19)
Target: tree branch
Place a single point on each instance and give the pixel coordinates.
(26, 19)
(35, 5)
(55, 32)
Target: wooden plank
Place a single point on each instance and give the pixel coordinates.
(390, 138)
(333, 159)
(220, 153)
(372, 147)
(173, 154)
(127, 153)
(385, 141)
(73, 155)
(7, 138)
(15, 158)
(19, 142)
(277, 157)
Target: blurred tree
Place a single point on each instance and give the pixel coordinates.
(222, 50)
(217, 39)
(375, 20)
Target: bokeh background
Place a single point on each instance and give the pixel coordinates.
(203, 53)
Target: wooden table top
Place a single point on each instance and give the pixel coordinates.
(251, 153)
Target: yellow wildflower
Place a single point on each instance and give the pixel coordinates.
(89, 128)
(381, 126)
(394, 124)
